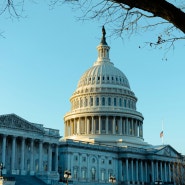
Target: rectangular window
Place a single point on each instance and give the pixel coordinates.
(86, 102)
(125, 103)
(84, 159)
(109, 101)
(114, 101)
(103, 101)
(110, 162)
(120, 102)
(97, 101)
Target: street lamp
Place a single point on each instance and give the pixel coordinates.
(112, 179)
(67, 175)
(1, 169)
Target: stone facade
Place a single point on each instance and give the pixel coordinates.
(104, 132)
(94, 163)
(28, 148)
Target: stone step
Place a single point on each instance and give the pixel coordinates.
(27, 180)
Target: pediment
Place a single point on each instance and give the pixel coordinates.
(168, 151)
(13, 121)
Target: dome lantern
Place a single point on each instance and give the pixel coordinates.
(103, 49)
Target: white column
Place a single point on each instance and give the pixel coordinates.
(113, 126)
(124, 122)
(4, 151)
(127, 127)
(107, 125)
(120, 126)
(132, 171)
(132, 126)
(40, 156)
(32, 157)
(137, 123)
(75, 127)
(141, 172)
(157, 174)
(92, 125)
(99, 124)
(56, 158)
(152, 166)
(169, 171)
(161, 171)
(146, 172)
(87, 126)
(49, 157)
(127, 172)
(136, 170)
(70, 127)
(22, 156)
(165, 172)
(139, 129)
(13, 154)
(173, 167)
(79, 126)
(65, 128)
(135, 128)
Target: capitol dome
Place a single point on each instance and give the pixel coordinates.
(103, 106)
(103, 73)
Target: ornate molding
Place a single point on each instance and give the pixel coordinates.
(15, 122)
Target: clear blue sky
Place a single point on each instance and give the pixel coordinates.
(44, 55)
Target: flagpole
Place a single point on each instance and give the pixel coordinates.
(163, 132)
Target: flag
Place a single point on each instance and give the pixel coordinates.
(161, 134)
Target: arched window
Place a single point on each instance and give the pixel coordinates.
(103, 175)
(103, 101)
(93, 174)
(83, 173)
(75, 174)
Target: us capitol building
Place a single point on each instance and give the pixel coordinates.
(104, 132)
(103, 136)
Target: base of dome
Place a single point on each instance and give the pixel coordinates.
(109, 140)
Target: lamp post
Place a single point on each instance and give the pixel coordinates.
(67, 175)
(1, 169)
(112, 179)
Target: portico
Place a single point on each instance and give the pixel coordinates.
(27, 148)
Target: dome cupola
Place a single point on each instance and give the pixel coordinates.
(103, 106)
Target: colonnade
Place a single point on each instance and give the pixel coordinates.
(21, 155)
(104, 125)
(140, 171)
